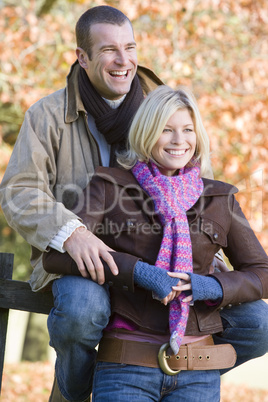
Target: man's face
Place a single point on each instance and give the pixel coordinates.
(113, 64)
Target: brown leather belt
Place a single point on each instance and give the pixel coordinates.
(200, 355)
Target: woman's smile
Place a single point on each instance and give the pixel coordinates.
(176, 144)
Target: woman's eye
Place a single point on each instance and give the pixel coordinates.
(167, 130)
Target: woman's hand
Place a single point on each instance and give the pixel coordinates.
(184, 284)
(169, 297)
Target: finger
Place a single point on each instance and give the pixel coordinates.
(111, 263)
(98, 270)
(169, 298)
(82, 268)
(188, 299)
(165, 301)
(182, 288)
(89, 266)
(180, 275)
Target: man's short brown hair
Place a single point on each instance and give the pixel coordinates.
(96, 15)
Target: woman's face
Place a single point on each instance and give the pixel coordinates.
(177, 143)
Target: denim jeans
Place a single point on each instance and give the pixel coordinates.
(121, 383)
(82, 309)
(246, 328)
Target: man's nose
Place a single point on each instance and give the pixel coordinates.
(121, 57)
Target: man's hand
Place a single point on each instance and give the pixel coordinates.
(86, 249)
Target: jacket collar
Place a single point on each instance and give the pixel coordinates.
(73, 102)
(216, 187)
(117, 175)
(124, 177)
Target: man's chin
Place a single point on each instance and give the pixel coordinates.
(117, 94)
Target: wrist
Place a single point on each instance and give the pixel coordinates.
(205, 287)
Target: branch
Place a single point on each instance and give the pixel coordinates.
(46, 7)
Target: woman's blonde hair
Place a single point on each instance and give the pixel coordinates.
(150, 120)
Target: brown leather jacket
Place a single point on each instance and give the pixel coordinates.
(118, 211)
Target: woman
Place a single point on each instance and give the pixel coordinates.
(165, 224)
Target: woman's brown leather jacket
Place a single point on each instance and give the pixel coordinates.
(117, 210)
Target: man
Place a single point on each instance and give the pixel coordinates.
(64, 137)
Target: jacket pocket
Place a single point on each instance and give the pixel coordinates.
(208, 319)
(214, 231)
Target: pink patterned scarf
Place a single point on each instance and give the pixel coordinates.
(173, 196)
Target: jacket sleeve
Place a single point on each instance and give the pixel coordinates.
(249, 279)
(55, 262)
(26, 192)
(92, 208)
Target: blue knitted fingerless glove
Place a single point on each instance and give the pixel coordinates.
(205, 288)
(154, 278)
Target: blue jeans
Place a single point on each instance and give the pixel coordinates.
(246, 328)
(82, 309)
(121, 383)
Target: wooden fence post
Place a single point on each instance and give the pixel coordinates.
(6, 269)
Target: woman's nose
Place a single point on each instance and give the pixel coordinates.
(177, 137)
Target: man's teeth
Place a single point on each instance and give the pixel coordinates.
(118, 73)
(177, 153)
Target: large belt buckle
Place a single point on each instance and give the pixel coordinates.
(162, 360)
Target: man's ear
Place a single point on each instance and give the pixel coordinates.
(82, 57)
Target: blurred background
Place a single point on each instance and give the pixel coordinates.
(217, 47)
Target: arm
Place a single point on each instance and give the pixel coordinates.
(131, 270)
(89, 252)
(62, 263)
(26, 193)
(249, 280)
(86, 249)
(38, 173)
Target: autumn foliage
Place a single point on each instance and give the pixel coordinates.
(217, 47)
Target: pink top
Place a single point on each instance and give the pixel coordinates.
(122, 328)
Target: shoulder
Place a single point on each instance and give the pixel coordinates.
(116, 175)
(51, 102)
(217, 188)
(148, 79)
(45, 118)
